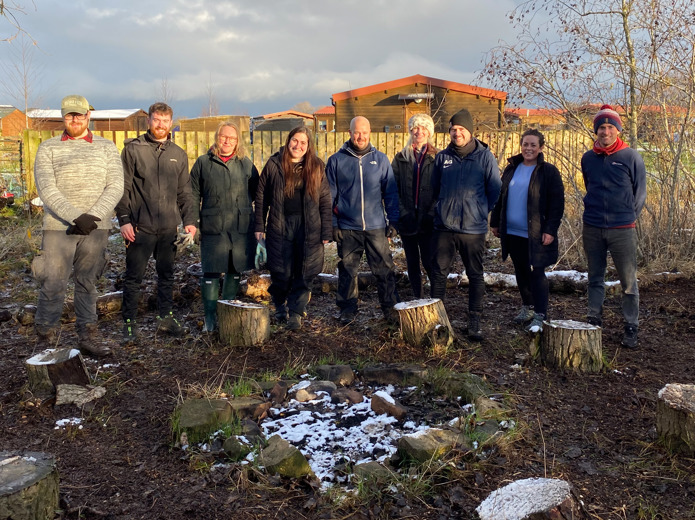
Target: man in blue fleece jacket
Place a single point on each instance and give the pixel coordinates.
(365, 216)
(615, 181)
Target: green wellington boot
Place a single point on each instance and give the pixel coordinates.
(210, 291)
(230, 287)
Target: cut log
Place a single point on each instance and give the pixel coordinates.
(533, 499)
(109, 303)
(573, 345)
(54, 367)
(242, 324)
(425, 322)
(28, 486)
(77, 394)
(675, 417)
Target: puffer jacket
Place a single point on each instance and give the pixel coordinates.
(223, 196)
(413, 218)
(157, 187)
(270, 219)
(465, 189)
(361, 189)
(545, 206)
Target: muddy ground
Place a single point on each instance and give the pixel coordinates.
(596, 431)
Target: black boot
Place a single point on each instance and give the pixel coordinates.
(210, 292)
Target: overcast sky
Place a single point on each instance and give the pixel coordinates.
(259, 56)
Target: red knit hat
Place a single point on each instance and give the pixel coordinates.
(609, 116)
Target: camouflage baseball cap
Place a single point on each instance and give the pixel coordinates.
(74, 104)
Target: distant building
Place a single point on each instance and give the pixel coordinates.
(210, 124)
(324, 119)
(390, 105)
(12, 121)
(133, 119)
(539, 118)
(282, 121)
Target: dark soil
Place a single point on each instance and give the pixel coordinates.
(595, 431)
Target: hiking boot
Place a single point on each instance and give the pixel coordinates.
(91, 342)
(475, 333)
(295, 322)
(47, 334)
(130, 332)
(594, 320)
(347, 317)
(281, 313)
(170, 325)
(536, 325)
(391, 316)
(525, 315)
(629, 337)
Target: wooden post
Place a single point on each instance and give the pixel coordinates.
(675, 417)
(54, 367)
(242, 324)
(28, 486)
(574, 345)
(425, 322)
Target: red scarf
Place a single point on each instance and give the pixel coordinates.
(618, 145)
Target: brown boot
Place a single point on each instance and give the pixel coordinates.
(47, 334)
(91, 342)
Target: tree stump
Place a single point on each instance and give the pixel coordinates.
(242, 324)
(533, 498)
(574, 345)
(54, 367)
(675, 417)
(28, 486)
(425, 322)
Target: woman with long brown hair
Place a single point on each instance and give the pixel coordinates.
(224, 182)
(293, 214)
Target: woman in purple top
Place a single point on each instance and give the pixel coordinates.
(526, 219)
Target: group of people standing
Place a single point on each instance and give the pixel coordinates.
(438, 201)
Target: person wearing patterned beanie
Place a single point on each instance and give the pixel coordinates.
(615, 181)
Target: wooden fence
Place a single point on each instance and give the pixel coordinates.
(564, 148)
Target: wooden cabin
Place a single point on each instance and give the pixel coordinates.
(539, 118)
(210, 124)
(324, 119)
(12, 121)
(390, 105)
(126, 119)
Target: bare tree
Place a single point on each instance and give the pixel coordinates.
(304, 106)
(165, 92)
(21, 75)
(213, 107)
(10, 10)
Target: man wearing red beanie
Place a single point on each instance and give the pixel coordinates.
(615, 181)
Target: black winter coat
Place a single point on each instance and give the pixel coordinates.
(270, 219)
(545, 206)
(413, 220)
(223, 196)
(157, 186)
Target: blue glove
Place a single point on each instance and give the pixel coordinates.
(261, 254)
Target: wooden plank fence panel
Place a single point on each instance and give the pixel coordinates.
(190, 147)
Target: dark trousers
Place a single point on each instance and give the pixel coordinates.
(81, 255)
(418, 248)
(532, 282)
(445, 244)
(350, 249)
(289, 285)
(137, 254)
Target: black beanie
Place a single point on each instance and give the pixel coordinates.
(462, 118)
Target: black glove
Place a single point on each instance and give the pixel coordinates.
(391, 231)
(337, 235)
(84, 225)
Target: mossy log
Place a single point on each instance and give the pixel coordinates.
(242, 324)
(675, 417)
(425, 322)
(571, 345)
(28, 486)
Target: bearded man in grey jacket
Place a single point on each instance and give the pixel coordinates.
(79, 178)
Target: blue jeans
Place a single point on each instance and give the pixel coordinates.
(84, 256)
(137, 254)
(471, 248)
(350, 249)
(622, 244)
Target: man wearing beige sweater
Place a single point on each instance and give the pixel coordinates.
(79, 178)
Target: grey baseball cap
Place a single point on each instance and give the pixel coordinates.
(74, 104)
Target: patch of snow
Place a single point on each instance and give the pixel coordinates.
(572, 324)
(299, 386)
(64, 423)
(386, 397)
(523, 498)
(415, 303)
